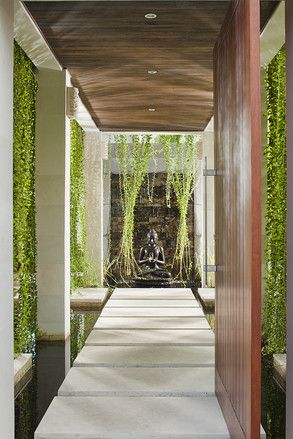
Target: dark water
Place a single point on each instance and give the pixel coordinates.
(52, 361)
(273, 403)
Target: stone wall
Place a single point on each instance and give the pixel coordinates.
(149, 215)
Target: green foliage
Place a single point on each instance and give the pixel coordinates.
(24, 227)
(78, 264)
(274, 319)
(181, 159)
(133, 159)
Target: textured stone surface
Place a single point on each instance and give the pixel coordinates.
(155, 214)
(140, 383)
(152, 312)
(280, 365)
(88, 298)
(207, 296)
(148, 336)
(152, 303)
(137, 418)
(136, 381)
(153, 293)
(22, 364)
(145, 356)
(151, 323)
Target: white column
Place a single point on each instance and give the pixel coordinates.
(94, 204)
(53, 205)
(289, 377)
(6, 185)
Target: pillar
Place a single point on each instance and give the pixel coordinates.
(289, 377)
(94, 206)
(6, 221)
(53, 205)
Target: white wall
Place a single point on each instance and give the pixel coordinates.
(6, 185)
(53, 204)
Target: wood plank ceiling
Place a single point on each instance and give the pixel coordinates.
(109, 47)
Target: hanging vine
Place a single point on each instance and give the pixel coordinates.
(133, 159)
(274, 318)
(24, 226)
(180, 154)
(78, 264)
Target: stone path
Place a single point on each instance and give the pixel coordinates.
(146, 372)
(88, 298)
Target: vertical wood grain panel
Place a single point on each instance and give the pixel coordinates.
(238, 216)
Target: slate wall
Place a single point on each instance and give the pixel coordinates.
(149, 215)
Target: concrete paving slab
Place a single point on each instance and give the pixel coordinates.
(88, 298)
(145, 356)
(152, 312)
(116, 337)
(22, 364)
(153, 293)
(207, 296)
(152, 303)
(280, 367)
(136, 381)
(151, 323)
(137, 418)
(22, 372)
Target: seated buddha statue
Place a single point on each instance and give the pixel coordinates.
(152, 260)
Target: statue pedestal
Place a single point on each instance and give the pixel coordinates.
(155, 282)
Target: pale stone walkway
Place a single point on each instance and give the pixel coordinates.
(146, 372)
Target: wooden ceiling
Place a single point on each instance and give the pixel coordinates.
(108, 48)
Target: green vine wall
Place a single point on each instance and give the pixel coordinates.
(274, 318)
(24, 226)
(77, 206)
(180, 153)
(133, 156)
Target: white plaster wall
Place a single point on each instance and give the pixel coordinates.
(53, 204)
(6, 185)
(94, 204)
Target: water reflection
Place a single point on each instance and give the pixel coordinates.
(51, 362)
(273, 403)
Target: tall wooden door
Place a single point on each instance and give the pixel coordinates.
(238, 219)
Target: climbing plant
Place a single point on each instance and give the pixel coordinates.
(77, 206)
(274, 317)
(180, 154)
(133, 157)
(24, 226)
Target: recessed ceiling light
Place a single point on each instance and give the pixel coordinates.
(152, 72)
(152, 110)
(150, 16)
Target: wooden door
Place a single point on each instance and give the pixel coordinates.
(238, 219)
